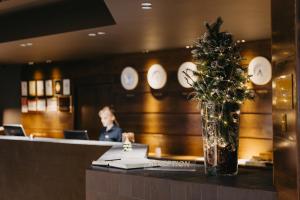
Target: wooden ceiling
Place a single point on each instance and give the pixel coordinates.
(169, 24)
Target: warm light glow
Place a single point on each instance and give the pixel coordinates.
(254, 147)
(92, 35)
(56, 73)
(146, 6)
(11, 116)
(28, 44)
(38, 75)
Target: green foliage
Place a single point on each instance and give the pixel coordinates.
(220, 76)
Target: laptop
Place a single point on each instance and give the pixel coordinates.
(14, 130)
(76, 134)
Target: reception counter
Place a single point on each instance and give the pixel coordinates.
(54, 169)
(41, 168)
(114, 184)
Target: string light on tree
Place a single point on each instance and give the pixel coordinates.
(220, 88)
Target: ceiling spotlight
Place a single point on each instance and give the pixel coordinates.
(92, 34)
(28, 44)
(31, 63)
(49, 61)
(187, 47)
(101, 33)
(146, 6)
(243, 41)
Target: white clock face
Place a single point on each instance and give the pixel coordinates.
(260, 70)
(129, 78)
(181, 76)
(157, 76)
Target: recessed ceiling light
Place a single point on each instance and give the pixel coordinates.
(146, 4)
(101, 33)
(49, 61)
(31, 63)
(28, 44)
(243, 41)
(187, 47)
(92, 34)
(146, 7)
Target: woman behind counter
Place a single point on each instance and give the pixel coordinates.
(111, 130)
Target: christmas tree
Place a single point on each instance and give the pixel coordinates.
(220, 87)
(220, 76)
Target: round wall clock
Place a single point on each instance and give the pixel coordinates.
(157, 76)
(129, 78)
(260, 70)
(181, 76)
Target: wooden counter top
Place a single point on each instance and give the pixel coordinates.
(58, 141)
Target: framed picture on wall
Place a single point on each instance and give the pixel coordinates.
(32, 105)
(49, 87)
(41, 105)
(40, 88)
(66, 87)
(283, 92)
(64, 104)
(24, 105)
(24, 89)
(58, 87)
(32, 88)
(52, 104)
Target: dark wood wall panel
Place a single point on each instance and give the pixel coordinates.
(261, 103)
(47, 124)
(165, 117)
(157, 123)
(256, 126)
(173, 102)
(251, 125)
(285, 58)
(192, 145)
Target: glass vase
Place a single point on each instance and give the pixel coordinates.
(220, 133)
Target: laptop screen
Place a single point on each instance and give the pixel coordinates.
(76, 134)
(14, 130)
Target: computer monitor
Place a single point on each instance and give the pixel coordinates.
(76, 134)
(14, 130)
